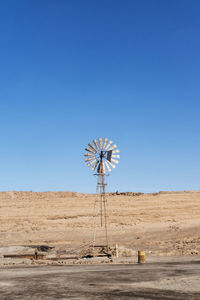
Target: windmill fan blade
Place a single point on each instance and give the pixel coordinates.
(116, 156)
(108, 167)
(89, 154)
(113, 147)
(100, 143)
(112, 165)
(105, 142)
(101, 155)
(93, 147)
(116, 151)
(89, 158)
(95, 165)
(96, 144)
(90, 150)
(91, 162)
(109, 144)
(114, 161)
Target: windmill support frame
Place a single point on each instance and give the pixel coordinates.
(101, 199)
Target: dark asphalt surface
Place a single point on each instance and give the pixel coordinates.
(96, 281)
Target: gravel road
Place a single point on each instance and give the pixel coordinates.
(166, 279)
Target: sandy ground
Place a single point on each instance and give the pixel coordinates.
(165, 223)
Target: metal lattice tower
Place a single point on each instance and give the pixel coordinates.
(101, 155)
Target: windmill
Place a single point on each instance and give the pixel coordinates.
(101, 155)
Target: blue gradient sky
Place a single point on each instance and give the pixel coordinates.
(71, 71)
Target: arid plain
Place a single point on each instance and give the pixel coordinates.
(164, 223)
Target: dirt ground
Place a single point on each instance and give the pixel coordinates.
(157, 279)
(165, 223)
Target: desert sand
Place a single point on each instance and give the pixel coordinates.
(164, 223)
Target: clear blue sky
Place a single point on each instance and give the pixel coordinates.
(74, 70)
